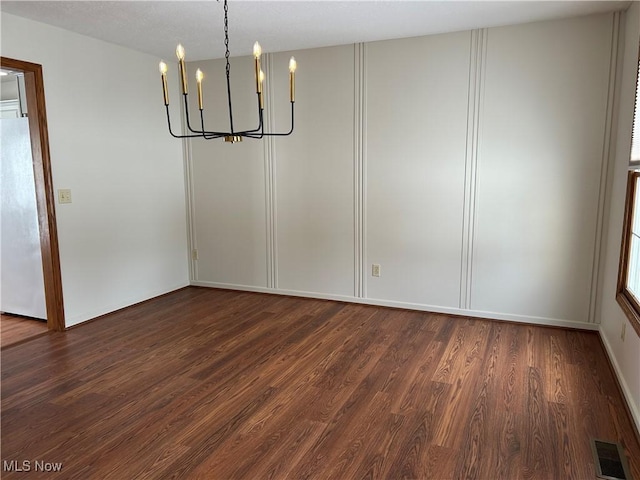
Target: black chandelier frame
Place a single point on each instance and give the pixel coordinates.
(231, 136)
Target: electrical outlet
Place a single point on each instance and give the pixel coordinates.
(623, 332)
(64, 195)
(375, 270)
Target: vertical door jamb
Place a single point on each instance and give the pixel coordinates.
(45, 199)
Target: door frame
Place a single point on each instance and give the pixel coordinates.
(45, 198)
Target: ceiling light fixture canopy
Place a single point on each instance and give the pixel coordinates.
(232, 135)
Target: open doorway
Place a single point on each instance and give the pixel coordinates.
(23, 312)
(44, 197)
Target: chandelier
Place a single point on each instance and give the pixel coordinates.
(232, 135)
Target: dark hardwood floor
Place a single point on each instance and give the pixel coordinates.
(15, 329)
(217, 384)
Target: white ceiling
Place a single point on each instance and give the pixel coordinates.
(156, 27)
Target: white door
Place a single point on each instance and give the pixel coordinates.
(10, 109)
(21, 280)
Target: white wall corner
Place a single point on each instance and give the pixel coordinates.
(624, 386)
(623, 354)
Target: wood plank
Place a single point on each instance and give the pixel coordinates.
(15, 329)
(507, 421)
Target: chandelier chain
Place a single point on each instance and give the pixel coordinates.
(226, 36)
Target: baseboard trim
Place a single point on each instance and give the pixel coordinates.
(550, 322)
(633, 411)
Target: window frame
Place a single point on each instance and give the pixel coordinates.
(629, 303)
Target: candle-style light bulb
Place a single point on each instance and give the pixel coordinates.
(163, 75)
(183, 69)
(180, 52)
(261, 77)
(257, 50)
(292, 79)
(199, 77)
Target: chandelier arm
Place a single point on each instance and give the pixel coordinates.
(245, 133)
(187, 117)
(171, 131)
(202, 121)
(258, 134)
(200, 133)
(255, 134)
(207, 135)
(284, 134)
(260, 119)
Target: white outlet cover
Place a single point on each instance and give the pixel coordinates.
(64, 195)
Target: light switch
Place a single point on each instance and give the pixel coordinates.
(64, 195)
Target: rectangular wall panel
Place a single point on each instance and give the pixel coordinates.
(416, 133)
(314, 172)
(539, 167)
(228, 181)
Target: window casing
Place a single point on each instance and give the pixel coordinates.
(628, 294)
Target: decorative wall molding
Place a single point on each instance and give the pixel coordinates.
(606, 173)
(270, 179)
(190, 200)
(359, 171)
(477, 56)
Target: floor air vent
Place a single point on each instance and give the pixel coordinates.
(610, 461)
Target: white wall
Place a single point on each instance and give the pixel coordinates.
(123, 239)
(468, 165)
(416, 132)
(539, 167)
(314, 174)
(625, 354)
